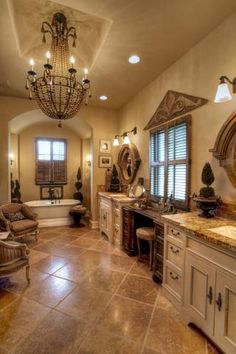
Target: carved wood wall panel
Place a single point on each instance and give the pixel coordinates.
(173, 105)
(224, 149)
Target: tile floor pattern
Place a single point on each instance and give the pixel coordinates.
(87, 297)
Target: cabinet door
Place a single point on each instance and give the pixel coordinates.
(225, 311)
(105, 217)
(199, 292)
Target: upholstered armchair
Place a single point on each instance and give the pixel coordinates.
(13, 256)
(18, 219)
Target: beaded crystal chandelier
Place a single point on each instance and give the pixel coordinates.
(58, 92)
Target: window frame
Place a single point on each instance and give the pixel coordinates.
(50, 162)
(183, 205)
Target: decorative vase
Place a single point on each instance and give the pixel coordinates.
(207, 206)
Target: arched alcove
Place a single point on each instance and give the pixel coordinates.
(23, 130)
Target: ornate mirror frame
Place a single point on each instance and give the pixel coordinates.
(128, 162)
(225, 148)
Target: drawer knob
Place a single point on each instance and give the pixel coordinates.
(173, 250)
(174, 233)
(174, 277)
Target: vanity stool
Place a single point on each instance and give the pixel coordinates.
(146, 233)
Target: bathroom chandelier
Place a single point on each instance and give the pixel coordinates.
(223, 94)
(126, 139)
(58, 92)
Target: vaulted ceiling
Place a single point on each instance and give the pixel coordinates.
(109, 31)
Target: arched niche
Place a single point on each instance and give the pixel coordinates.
(128, 162)
(225, 148)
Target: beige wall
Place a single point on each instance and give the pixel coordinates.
(86, 178)
(29, 190)
(14, 149)
(196, 73)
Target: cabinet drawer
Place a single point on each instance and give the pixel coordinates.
(174, 254)
(175, 233)
(174, 281)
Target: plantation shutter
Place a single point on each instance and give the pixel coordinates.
(169, 163)
(51, 163)
(157, 163)
(177, 161)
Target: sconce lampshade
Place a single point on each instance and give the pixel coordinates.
(126, 140)
(116, 142)
(222, 94)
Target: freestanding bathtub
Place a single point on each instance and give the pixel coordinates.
(53, 214)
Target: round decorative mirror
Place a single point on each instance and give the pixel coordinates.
(128, 162)
(225, 148)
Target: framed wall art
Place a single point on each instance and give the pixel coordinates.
(104, 161)
(105, 146)
(51, 192)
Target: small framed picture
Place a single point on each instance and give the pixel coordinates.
(104, 161)
(105, 146)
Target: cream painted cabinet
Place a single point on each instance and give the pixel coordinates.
(210, 300)
(199, 291)
(225, 312)
(174, 251)
(106, 217)
(110, 210)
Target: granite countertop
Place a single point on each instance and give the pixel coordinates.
(224, 236)
(116, 196)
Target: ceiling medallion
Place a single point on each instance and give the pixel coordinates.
(59, 93)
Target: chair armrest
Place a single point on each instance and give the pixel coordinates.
(28, 213)
(18, 249)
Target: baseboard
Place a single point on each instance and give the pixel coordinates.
(94, 224)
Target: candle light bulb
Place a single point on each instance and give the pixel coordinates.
(32, 63)
(85, 73)
(72, 60)
(48, 55)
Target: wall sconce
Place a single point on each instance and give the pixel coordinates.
(12, 158)
(126, 139)
(88, 160)
(223, 94)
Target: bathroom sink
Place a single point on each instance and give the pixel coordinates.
(228, 231)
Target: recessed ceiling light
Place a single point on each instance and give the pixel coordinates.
(103, 98)
(134, 59)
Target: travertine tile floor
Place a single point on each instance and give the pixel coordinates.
(87, 296)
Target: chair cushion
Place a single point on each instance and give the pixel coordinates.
(14, 216)
(25, 225)
(145, 233)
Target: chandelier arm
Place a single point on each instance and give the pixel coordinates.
(49, 30)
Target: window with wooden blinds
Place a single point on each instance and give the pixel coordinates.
(169, 163)
(51, 163)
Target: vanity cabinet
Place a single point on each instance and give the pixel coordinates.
(106, 217)
(129, 232)
(110, 215)
(200, 275)
(210, 300)
(158, 257)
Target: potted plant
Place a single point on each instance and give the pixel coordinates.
(207, 201)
